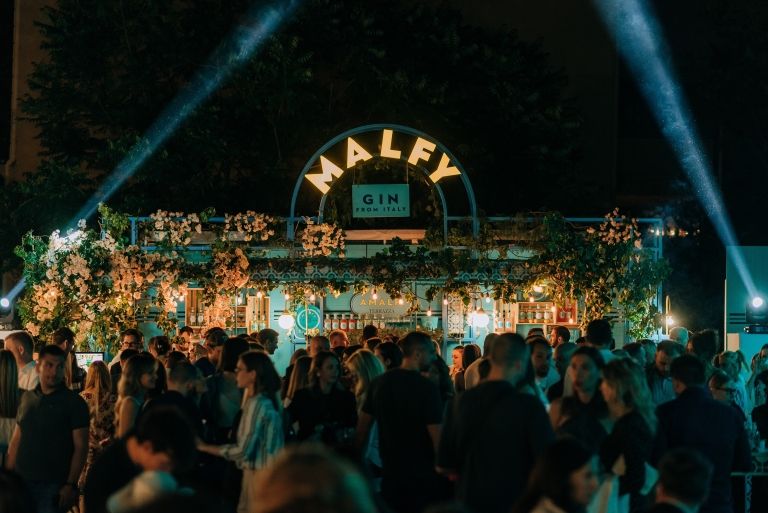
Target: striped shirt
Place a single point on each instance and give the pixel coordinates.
(259, 435)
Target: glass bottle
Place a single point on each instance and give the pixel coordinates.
(335, 322)
(327, 323)
(343, 326)
(352, 326)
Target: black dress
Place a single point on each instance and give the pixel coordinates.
(632, 438)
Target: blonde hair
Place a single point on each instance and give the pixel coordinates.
(99, 382)
(366, 367)
(9, 385)
(299, 376)
(626, 377)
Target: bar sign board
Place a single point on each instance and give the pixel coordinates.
(381, 200)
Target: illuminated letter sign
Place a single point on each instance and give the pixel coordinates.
(421, 152)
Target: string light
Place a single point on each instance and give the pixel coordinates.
(400, 301)
(259, 295)
(429, 312)
(312, 297)
(375, 295)
(445, 301)
(487, 297)
(287, 296)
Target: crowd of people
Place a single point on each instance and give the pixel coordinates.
(538, 424)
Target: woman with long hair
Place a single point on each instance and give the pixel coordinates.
(9, 399)
(101, 407)
(325, 411)
(224, 397)
(299, 378)
(159, 347)
(138, 378)
(470, 353)
(563, 480)
(583, 414)
(629, 401)
(260, 432)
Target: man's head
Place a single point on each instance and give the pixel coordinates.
(369, 331)
(563, 354)
(131, 339)
(187, 333)
(704, 344)
(22, 345)
(687, 371)
(649, 346)
(64, 338)
(684, 476)
(599, 334)
(559, 335)
(666, 352)
(50, 366)
(230, 352)
(488, 343)
(183, 378)
(509, 357)
(721, 386)
(214, 340)
(318, 343)
(535, 332)
(125, 355)
(268, 338)
(541, 356)
(418, 350)
(338, 338)
(164, 440)
(636, 352)
(679, 334)
(390, 355)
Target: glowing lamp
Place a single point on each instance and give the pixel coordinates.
(286, 320)
(538, 288)
(400, 301)
(375, 295)
(5, 302)
(480, 319)
(445, 301)
(312, 297)
(429, 313)
(670, 321)
(757, 311)
(259, 295)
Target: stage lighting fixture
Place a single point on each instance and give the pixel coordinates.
(757, 311)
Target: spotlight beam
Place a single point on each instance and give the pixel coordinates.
(256, 27)
(640, 42)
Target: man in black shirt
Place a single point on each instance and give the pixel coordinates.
(163, 440)
(406, 406)
(50, 443)
(183, 379)
(493, 434)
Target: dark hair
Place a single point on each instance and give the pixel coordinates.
(635, 350)
(392, 352)
(323, 340)
(371, 343)
(230, 352)
(370, 331)
(581, 341)
(255, 346)
(592, 353)
(509, 348)
(186, 329)
(267, 380)
(267, 334)
(670, 348)
(53, 350)
(550, 477)
(317, 363)
(445, 383)
(469, 355)
(127, 353)
(688, 370)
(174, 358)
(704, 344)
(216, 337)
(167, 429)
(62, 336)
(599, 333)
(415, 340)
(350, 350)
(161, 344)
(488, 343)
(536, 340)
(132, 332)
(685, 475)
(719, 378)
(484, 368)
(182, 372)
(564, 333)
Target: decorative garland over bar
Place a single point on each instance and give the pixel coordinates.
(97, 283)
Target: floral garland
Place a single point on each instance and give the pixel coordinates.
(98, 285)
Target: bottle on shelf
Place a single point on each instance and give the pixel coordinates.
(352, 326)
(327, 323)
(335, 322)
(343, 325)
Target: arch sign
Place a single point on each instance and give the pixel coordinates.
(421, 150)
(395, 142)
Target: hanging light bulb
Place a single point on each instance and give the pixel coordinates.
(287, 296)
(375, 295)
(487, 297)
(480, 319)
(429, 312)
(286, 320)
(445, 300)
(400, 301)
(530, 299)
(312, 297)
(259, 295)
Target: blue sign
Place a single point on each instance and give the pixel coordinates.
(381, 200)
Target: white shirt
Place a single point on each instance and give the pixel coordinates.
(28, 378)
